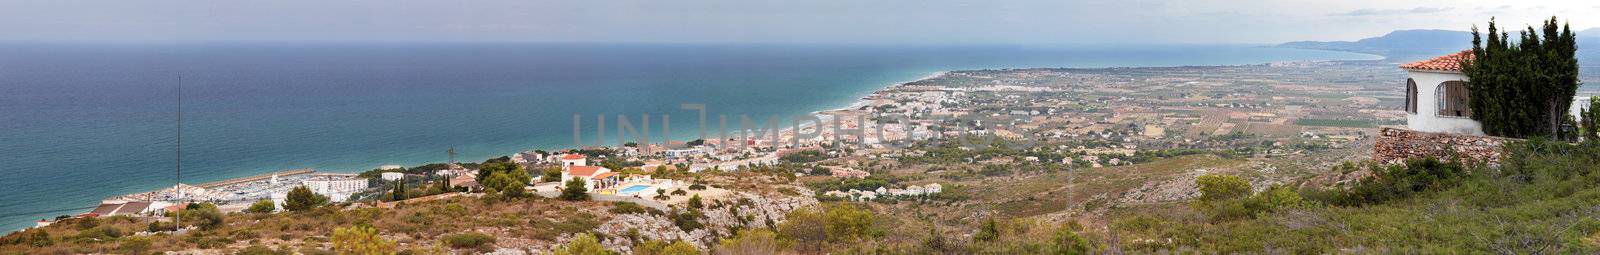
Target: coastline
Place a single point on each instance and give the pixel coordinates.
(858, 102)
(859, 99)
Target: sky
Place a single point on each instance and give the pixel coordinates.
(762, 21)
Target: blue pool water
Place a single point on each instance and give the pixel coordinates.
(631, 190)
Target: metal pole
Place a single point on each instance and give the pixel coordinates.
(177, 221)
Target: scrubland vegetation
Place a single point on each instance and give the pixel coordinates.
(1544, 197)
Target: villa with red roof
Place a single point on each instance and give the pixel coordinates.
(594, 177)
(573, 159)
(1436, 96)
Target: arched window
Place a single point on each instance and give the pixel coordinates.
(1452, 97)
(1411, 96)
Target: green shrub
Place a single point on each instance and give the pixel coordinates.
(361, 240)
(101, 233)
(624, 207)
(687, 221)
(1214, 188)
(87, 223)
(134, 245)
(206, 216)
(575, 190)
(584, 244)
(476, 241)
(1227, 197)
(1401, 181)
(262, 206)
(695, 204)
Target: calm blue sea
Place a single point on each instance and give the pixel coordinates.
(81, 122)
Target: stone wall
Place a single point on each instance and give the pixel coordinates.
(1395, 145)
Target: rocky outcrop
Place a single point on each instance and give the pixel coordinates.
(745, 210)
(1395, 145)
(1177, 188)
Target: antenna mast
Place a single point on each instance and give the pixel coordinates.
(452, 165)
(177, 221)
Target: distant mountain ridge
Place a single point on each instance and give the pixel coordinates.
(1415, 44)
(1398, 44)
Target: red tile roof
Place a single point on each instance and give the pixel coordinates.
(1449, 63)
(105, 209)
(132, 208)
(572, 156)
(604, 175)
(585, 171)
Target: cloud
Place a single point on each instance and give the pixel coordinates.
(1376, 12)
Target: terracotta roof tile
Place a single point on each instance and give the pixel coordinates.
(572, 156)
(585, 171)
(1450, 63)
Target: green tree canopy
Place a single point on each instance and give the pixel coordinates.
(301, 199)
(262, 206)
(818, 225)
(1522, 89)
(206, 216)
(508, 183)
(490, 168)
(575, 190)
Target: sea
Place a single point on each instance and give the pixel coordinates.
(80, 122)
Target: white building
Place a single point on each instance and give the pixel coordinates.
(594, 177)
(392, 176)
(574, 159)
(336, 187)
(681, 153)
(1436, 96)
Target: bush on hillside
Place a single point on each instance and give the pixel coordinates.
(624, 207)
(575, 191)
(473, 240)
(262, 206)
(1400, 181)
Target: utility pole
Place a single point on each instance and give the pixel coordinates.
(452, 165)
(177, 217)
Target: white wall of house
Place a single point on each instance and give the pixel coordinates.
(1427, 118)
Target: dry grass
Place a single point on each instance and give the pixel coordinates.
(525, 222)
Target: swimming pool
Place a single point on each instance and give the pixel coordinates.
(633, 190)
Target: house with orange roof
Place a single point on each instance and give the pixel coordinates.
(1437, 97)
(573, 159)
(594, 177)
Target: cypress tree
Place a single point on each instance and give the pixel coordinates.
(1523, 89)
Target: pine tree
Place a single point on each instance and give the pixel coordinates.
(575, 191)
(301, 199)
